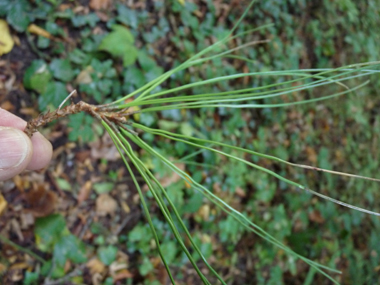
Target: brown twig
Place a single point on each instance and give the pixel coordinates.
(109, 115)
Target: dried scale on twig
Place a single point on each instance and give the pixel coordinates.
(114, 117)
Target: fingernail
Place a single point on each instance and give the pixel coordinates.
(13, 147)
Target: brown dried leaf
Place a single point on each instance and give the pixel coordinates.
(124, 274)
(104, 148)
(96, 266)
(105, 204)
(7, 105)
(172, 177)
(240, 192)
(27, 220)
(3, 204)
(100, 4)
(315, 216)
(84, 192)
(85, 76)
(311, 155)
(40, 201)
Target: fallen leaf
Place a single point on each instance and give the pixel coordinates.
(7, 106)
(124, 274)
(3, 204)
(40, 201)
(84, 192)
(27, 220)
(105, 204)
(6, 41)
(100, 4)
(311, 155)
(204, 212)
(84, 77)
(104, 149)
(240, 192)
(82, 155)
(172, 177)
(34, 29)
(315, 216)
(125, 207)
(96, 266)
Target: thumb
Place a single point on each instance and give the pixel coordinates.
(15, 152)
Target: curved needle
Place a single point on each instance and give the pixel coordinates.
(67, 98)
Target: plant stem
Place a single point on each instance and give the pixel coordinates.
(29, 252)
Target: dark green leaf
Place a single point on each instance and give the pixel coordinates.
(127, 16)
(146, 266)
(17, 15)
(61, 69)
(170, 250)
(48, 230)
(105, 86)
(54, 94)
(119, 43)
(30, 278)
(68, 247)
(54, 29)
(79, 57)
(81, 125)
(43, 42)
(107, 255)
(37, 76)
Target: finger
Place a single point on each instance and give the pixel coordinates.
(9, 120)
(16, 152)
(42, 148)
(42, 152)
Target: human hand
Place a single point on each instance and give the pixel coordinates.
(17, 150)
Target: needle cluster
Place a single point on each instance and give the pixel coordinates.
(114, 117)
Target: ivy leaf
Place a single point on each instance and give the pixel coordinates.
(17, 15)
(61, 69)
(81, 125)
(47, 231)
(37, 76)
(146, 266)
(68, 247)
(119, 43)
(107, 255)
(127, 16)
(54, 94)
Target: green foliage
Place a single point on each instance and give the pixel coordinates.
(103, 187)
(332, 33)
(53, 236)
(54, 94)
(99, 80)
(37, 76)
(107, 254)
(61, 69)
(119, 43)
(81, 127)
(17, 13)
(31, 278)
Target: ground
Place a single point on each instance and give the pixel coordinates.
(85, 203)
